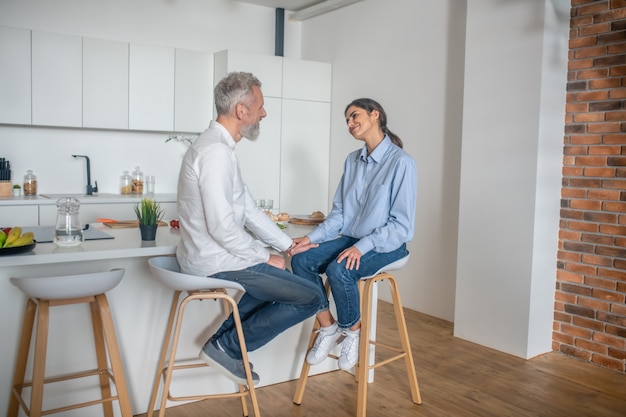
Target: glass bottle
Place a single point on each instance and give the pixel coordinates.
(68, 231)
(126, 183)
(30, 183)
(137, 181)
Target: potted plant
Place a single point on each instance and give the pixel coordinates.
(17, 190)
(149, 213)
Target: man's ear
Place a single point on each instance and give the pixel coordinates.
(240, 110)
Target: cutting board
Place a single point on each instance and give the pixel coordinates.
(124, 224)
(305, 219)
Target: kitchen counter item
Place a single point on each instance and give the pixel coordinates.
(46, 234)
(305, 220)
(126, 183)
(18, 249)
(68, 231)
(123, 224)
(30, 183)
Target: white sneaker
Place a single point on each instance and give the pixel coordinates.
(350, 349)
(325, 342)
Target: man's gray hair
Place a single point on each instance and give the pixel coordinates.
(232, 89)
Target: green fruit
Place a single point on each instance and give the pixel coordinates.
(3, 238)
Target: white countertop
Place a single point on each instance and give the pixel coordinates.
(101, 198)
(126, 243)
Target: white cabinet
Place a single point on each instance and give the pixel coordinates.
(306, 80)
(15, 92)
(259, 160)
(193, 89)
(105, 84)
(289, 162)
(267, 68)
(56, 79)
(305, 156)
(22, 216)
(151, 88)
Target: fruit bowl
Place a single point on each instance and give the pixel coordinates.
(18, 249)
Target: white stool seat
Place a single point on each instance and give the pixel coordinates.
(167, 271)
(394, 266)
(69, 286)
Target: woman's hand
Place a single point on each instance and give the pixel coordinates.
(352, 256)
(276, 261)
(301, 244)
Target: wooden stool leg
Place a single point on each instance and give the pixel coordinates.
(22, 358)
(172, 358)
(166, 343)
(404, 340)
(304, 372)
(244, 356)
(39, 364)
(364, 346)
(114, 354)
(101, 355)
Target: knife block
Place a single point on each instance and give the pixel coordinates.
(6, 188)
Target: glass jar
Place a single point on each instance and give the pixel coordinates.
(126, 183)
(137, 181)
(30, 183)
(68, 231)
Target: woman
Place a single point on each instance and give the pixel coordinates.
(372, 218)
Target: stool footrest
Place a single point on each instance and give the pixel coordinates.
(242, 393)
(17, 389)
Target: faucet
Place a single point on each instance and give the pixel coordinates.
(90, 189)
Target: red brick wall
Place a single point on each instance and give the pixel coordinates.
(590, 303)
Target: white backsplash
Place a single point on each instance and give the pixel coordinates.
(48, 152)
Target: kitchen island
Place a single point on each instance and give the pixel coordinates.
(140, 306)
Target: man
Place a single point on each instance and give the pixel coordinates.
(214, 206)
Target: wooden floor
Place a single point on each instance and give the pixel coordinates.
(457, 378)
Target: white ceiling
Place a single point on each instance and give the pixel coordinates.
(290, 5)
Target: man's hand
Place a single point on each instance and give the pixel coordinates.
(276, 261)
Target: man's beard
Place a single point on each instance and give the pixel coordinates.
(251, 132)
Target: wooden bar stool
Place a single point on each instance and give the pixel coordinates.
(367, 362)
(48, 292)
(167, 271)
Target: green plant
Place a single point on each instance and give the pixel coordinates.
(17, 186)
(149, 211)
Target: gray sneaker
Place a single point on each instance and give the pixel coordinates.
(231, 368)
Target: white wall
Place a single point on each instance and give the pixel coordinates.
(207, 25)
(515, 78)
(412, 63)
(496, 99)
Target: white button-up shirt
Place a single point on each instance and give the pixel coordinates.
(214, 206)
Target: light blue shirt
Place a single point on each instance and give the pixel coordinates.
(375, 200)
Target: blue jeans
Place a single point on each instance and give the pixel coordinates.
(274, 300)
(343, 282)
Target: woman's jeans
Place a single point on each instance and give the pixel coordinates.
(343, 282)
(274, 300)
